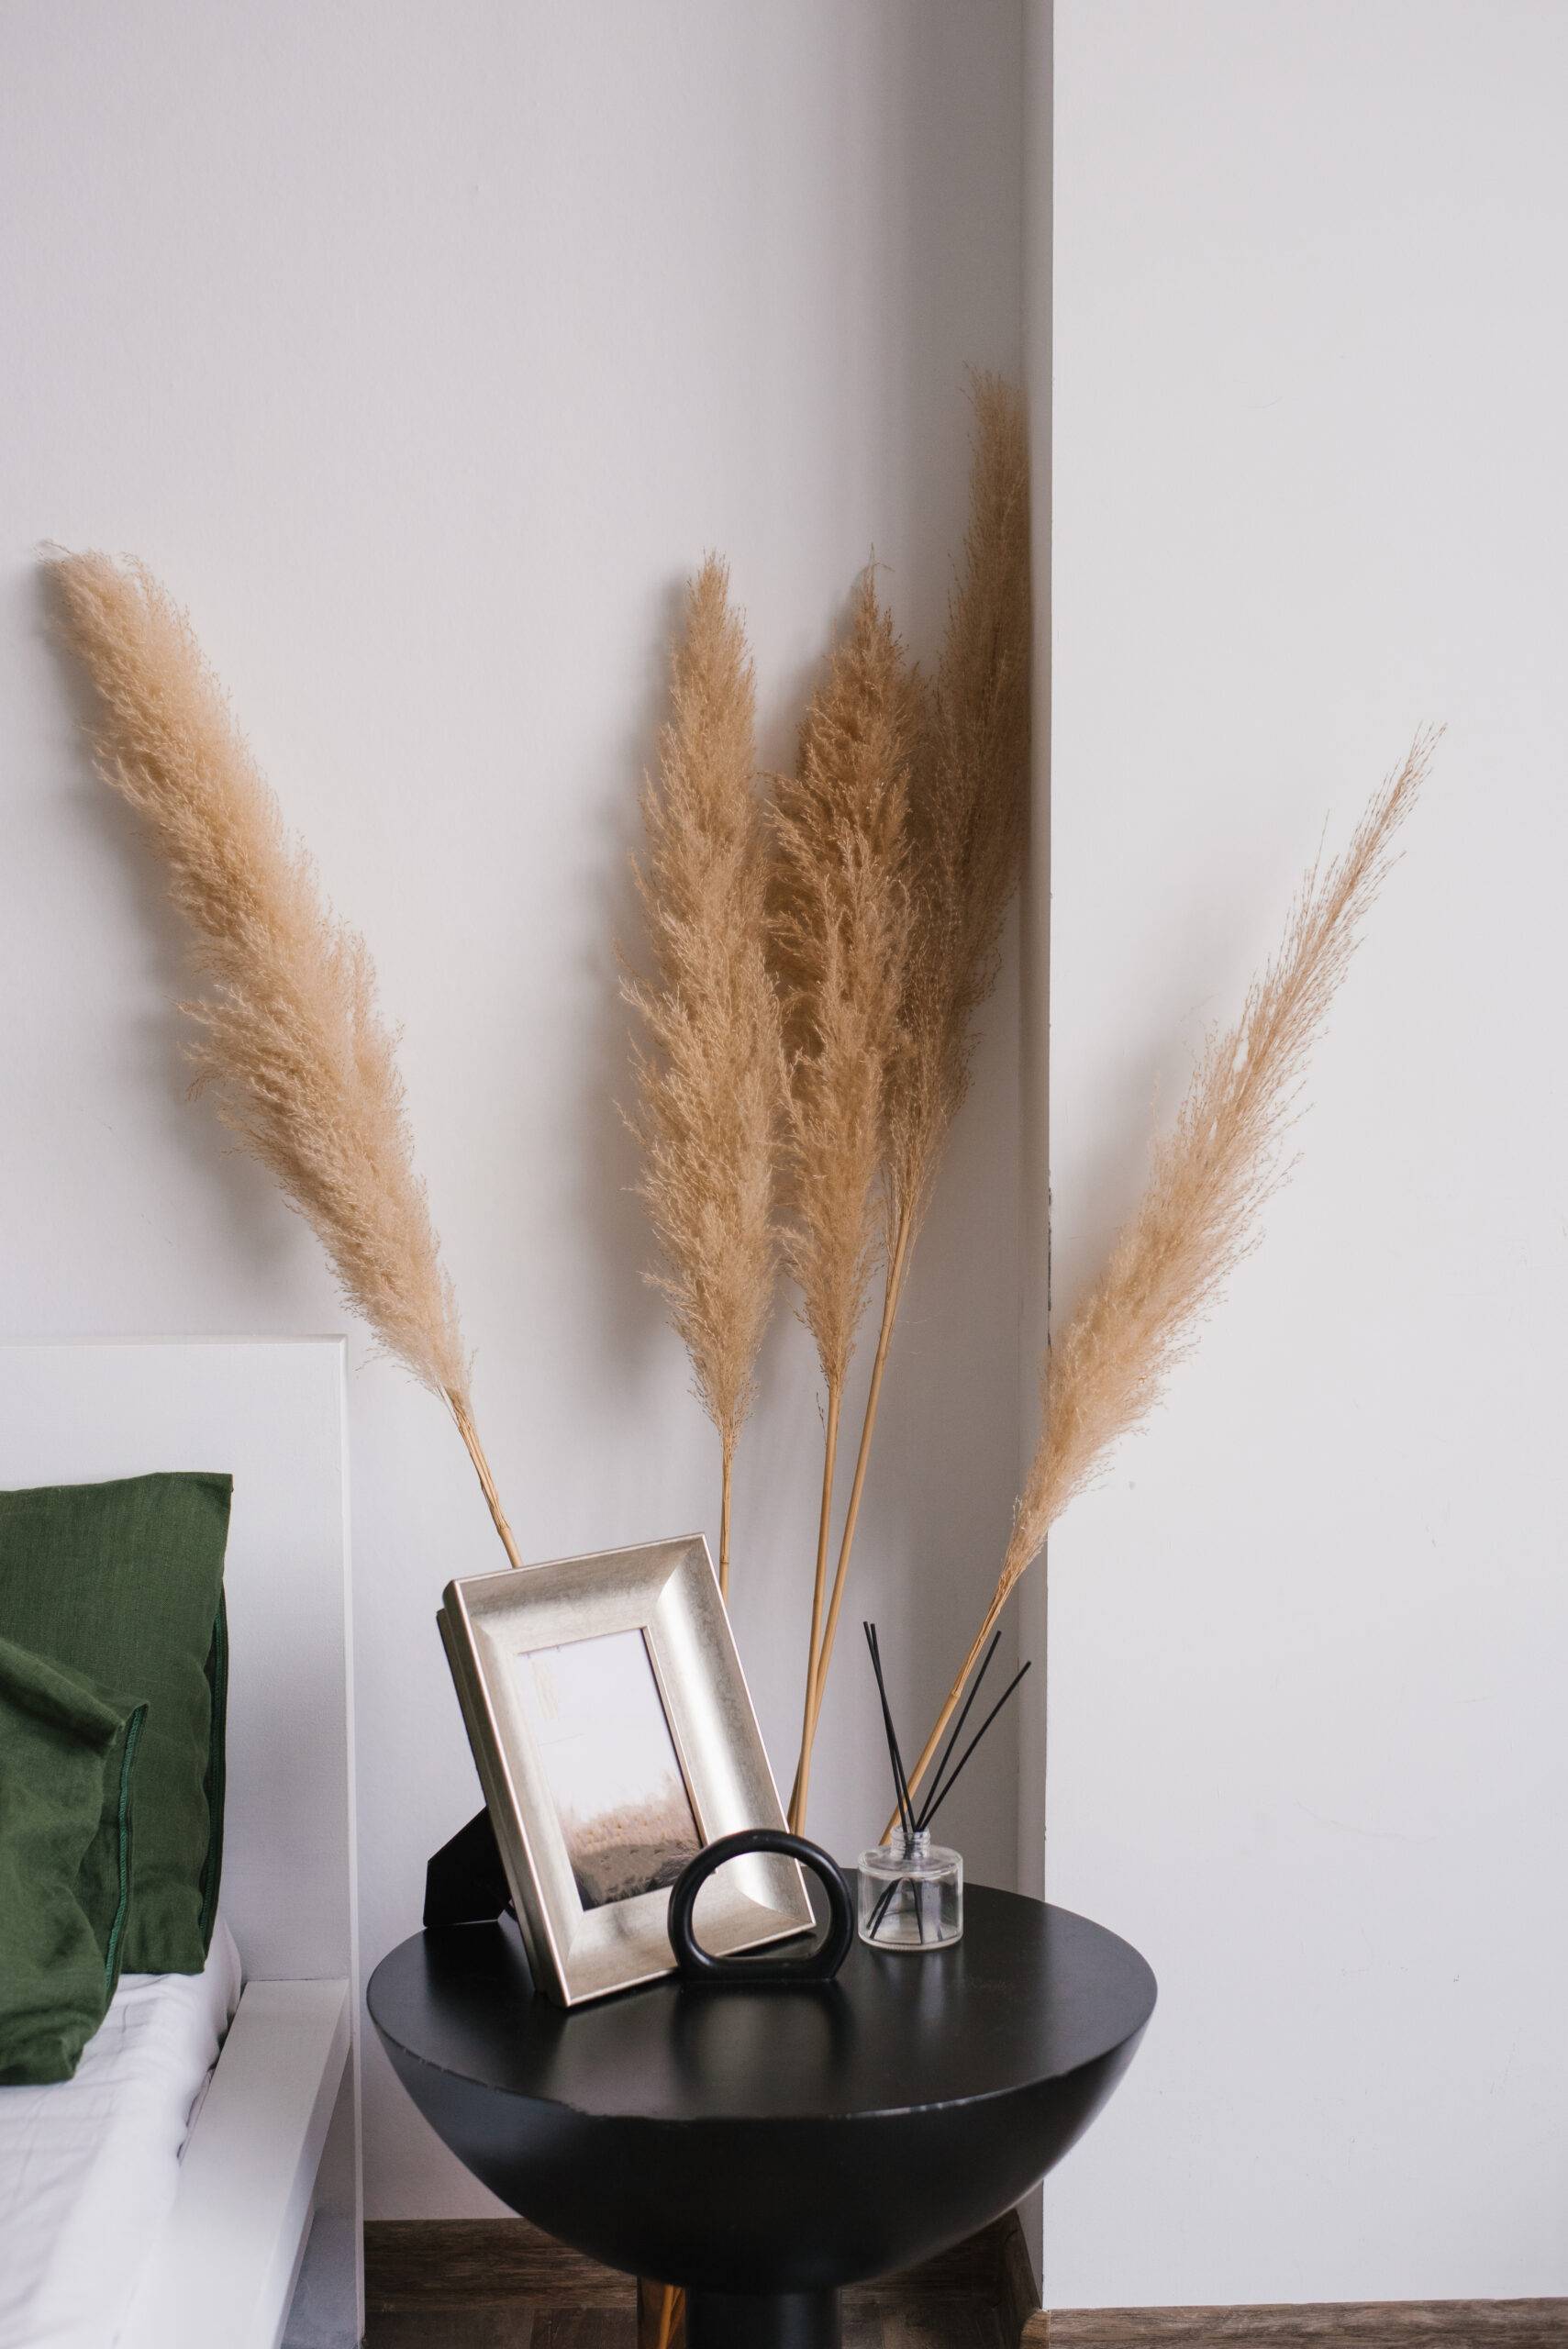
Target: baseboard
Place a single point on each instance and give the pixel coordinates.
(1331, 2324)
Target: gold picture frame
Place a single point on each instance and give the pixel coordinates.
(614, 1735)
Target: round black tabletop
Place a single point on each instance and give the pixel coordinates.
(1031, 1994)
(745, 2140)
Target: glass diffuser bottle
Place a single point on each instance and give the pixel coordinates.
(911, 1893)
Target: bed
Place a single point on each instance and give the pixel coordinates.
(196, 2185)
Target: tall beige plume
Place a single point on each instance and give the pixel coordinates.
(711, 1086)
(1199, 1216)
(289, 1036)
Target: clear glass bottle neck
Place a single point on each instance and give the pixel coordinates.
(911, 1847)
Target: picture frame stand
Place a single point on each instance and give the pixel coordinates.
(465, 1881)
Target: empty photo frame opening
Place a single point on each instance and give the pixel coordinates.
(598, 1721)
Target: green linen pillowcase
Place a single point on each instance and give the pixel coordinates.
(122, 1584)
(66, 1756)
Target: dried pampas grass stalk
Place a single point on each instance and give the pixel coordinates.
(290, 1035)
(966, 806)
(711, 1087)
(839, 914)
(1212, 1174)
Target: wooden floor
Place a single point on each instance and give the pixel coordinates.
(865, 2327)
(501, 2284)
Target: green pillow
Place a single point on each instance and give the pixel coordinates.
(122, 1584)
(66, 1753)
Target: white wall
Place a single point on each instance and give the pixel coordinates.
(423, 350)
(1308, 1645)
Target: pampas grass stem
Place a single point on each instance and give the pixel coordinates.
(461, 1414)
(801, 1795)
(1199, 1217)
(669, 2308)
(891, 1293)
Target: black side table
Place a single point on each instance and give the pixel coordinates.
(760, 2147)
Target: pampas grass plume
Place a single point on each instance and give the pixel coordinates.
(711, 1077)
(1199, 1217)
(289, 1035)
(840, 907)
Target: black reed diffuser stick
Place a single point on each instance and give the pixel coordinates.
(900, 1781)
(944, 1778)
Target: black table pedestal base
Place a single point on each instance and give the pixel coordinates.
(763, 2321)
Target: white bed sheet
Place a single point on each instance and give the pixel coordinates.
(89, 2165)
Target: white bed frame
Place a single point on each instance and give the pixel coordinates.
(263, 2249)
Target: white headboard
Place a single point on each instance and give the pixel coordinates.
(271, 1413)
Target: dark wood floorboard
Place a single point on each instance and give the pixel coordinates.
(500, 2284)
(869, 2323)
(586, 2329)
(470, 2328)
